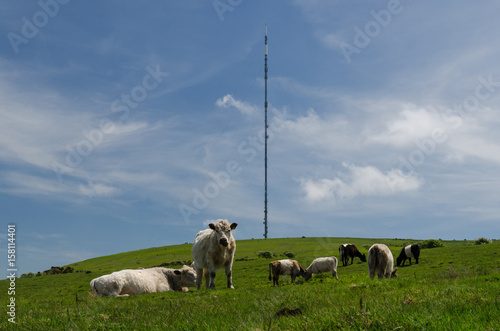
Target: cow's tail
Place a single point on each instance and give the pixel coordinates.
(92, 286)
(377, 255)
(270, 271)
(373, 260)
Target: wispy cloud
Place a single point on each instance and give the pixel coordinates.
(358, 181)
(228, 101)
(412, 124)
(98, 189)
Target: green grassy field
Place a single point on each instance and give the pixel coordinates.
(456, 287)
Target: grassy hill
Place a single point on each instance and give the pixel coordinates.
(456, 287)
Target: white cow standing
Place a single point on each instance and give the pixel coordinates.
(213, 249)
(381, 262)
(130, 282)
(323, 264)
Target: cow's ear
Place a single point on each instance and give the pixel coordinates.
(211, 226)
(177, 272)
(233, 226)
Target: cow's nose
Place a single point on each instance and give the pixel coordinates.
(223, 241)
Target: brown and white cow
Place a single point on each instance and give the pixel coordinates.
(130, 282)
(290, 268)
(408, 252)
(323, 264)
(213, 249)
(350, 251)
(381, 262)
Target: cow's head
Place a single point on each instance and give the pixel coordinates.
(188, 276)
(223, 230)
(362, 257)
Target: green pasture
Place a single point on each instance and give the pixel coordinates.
(455, 287)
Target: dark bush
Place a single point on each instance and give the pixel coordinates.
(59, 270)
(431, 243)
(266, 255)
(482, 240)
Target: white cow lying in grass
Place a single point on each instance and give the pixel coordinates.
(381, 262)
(323, 264)
(131, 282)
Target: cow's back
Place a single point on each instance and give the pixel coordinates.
(380, 260)
(323, 264)
(286, 267)
(408, 252)
(201, 248)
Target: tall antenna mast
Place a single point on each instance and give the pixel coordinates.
(266, 136)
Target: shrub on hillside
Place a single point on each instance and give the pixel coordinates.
(431, 243)
(482, 240)
(289, 255)
(266, 255)
(59, 270)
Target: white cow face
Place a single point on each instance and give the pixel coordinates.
(223, 230)
(188, 276)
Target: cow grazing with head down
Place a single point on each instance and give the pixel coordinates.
(290, 268)
(130, 282)
(350, 251)
(214, 248)
(408, 252)
(381, 262)
(323, 264)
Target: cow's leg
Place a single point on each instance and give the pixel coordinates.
(416, 260)
(199, 277)
(212, 273)
(229, 275)
(409, 259)
(207, 278)
(352, 259)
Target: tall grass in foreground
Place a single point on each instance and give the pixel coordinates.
(456, 287)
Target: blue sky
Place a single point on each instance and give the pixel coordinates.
(126, 125)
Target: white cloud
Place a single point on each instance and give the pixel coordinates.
(412, 124)
(98, 190)
(326, 134)
(243, 107)
(26, 184)
(359, 181)
(474, 146)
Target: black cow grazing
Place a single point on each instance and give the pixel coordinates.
(350, 251)
(407, 253)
